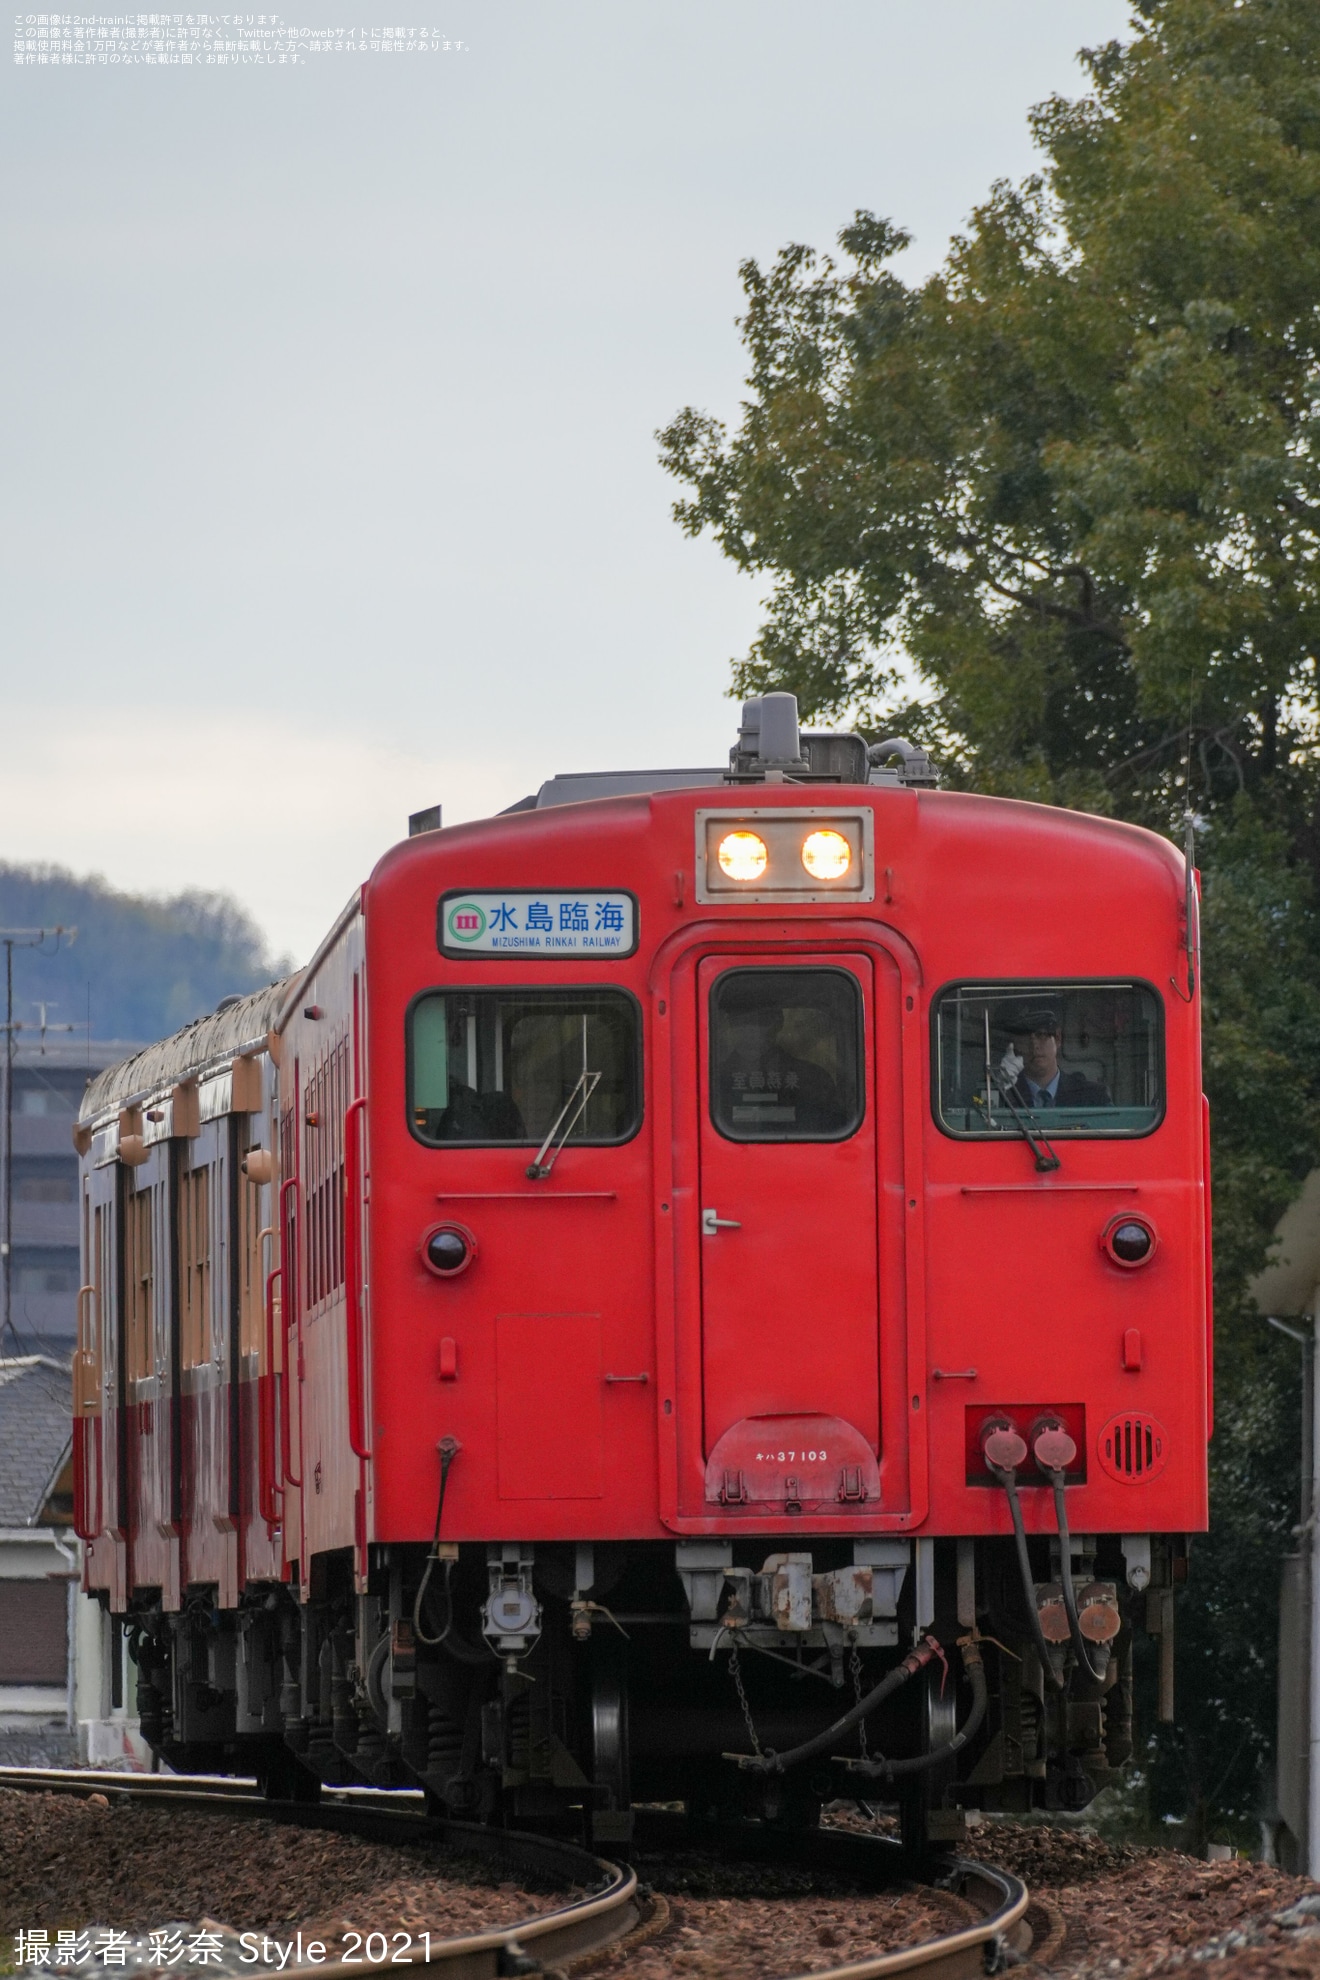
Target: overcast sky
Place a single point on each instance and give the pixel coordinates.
(330, 485)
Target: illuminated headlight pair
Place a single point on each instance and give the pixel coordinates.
(774, 853)
(744, 855)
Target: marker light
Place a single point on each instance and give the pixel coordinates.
(448, 1249)
(743, 856)
(826, 855)
(1129, 1240)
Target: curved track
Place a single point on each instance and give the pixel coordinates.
(610, 1908)
(588, 1928)
(994, 1936)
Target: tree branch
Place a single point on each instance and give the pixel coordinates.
(1083, 616)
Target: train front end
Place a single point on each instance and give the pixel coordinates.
(780, 1341)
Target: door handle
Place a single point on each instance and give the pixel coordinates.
(712, 1223)
(628, 1378)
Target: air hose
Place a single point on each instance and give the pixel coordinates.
(920, 1763)
(1007, 1479)
(466, 1653)
(777, 1763)
(1081, 1647)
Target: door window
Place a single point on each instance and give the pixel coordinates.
(786, 1059)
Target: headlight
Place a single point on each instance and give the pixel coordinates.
(742, 855)
(826, 855)
(785, 852)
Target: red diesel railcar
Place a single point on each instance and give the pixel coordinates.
(699, 1290)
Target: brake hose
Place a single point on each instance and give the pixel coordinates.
(1081, 1648)
(974, 1668)
(777, 1763)
(1009, 1482)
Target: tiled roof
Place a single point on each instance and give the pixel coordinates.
(36, 1429)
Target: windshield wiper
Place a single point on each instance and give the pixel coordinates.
(587, 1082)
(1046, 1158)
(1030, 1130)
(567, 1118)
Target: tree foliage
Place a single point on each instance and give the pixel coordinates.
(139, 968)
(1057, 508)
(1072, 477)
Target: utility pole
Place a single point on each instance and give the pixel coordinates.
(1310, 1524)
(18, 938)
(1297, 1782)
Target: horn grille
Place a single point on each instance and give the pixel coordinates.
(1133, 1447)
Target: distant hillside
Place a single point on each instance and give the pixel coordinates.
(146, 966)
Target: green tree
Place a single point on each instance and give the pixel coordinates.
(139, 968)
(1058, 509)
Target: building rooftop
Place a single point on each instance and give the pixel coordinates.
(36, 1433)
(68, 1052)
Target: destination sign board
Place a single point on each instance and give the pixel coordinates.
(581, 921)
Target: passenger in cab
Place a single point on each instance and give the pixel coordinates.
(473, 1116)
(1030, 1069)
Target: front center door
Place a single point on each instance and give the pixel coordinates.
(789, 1231)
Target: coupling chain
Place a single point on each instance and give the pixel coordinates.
(735, 1672)
(855, 1666)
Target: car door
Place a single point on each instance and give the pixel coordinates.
(789, 1230)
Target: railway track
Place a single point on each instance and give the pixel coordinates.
(613, 1907)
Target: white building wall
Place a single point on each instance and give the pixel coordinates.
(36, 1729)
(78, 1722)
(107, 1733)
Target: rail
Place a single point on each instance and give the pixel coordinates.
(609, 1910)
(613, 1905)
(996, 1940)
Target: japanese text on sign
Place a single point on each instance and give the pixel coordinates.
(521, 922)
(208, 40)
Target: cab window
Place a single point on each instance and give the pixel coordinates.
(1075, 1059)
(786, 1059)
(500, 1066)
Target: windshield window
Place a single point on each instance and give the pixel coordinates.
(491, 1066)
(1074, 1059)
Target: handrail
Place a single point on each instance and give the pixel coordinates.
(290, 1370)
(356, 1342)
(83, 1355)
(85, 1415)
(82, 1529)
(267, 1489)
(96, 1439)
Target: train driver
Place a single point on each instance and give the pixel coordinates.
(1030, 1071)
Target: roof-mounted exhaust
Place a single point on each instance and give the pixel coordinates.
(771, 749)
(914, 766)
(768, 738)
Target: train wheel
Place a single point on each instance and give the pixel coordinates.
(921, 1795)
(611, 1767)
(281, 1776)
